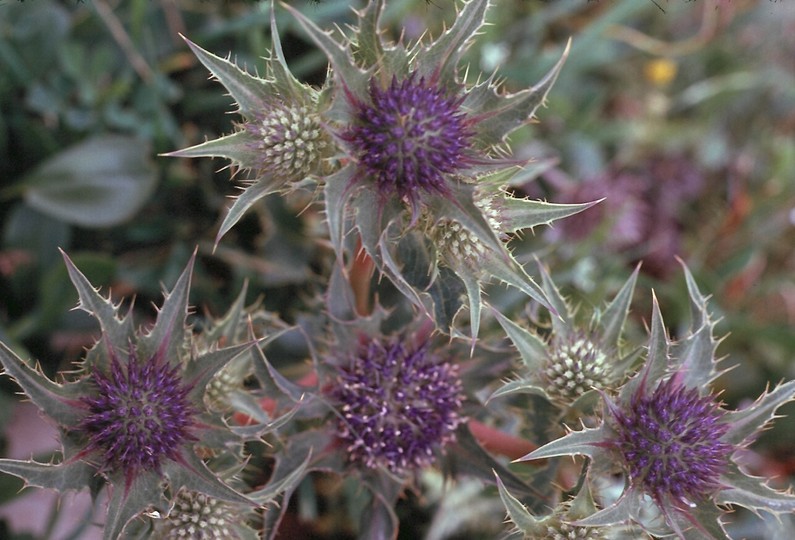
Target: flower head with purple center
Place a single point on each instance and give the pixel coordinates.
(140, 415)
(409, 136)
(400, 404)
(675, 444)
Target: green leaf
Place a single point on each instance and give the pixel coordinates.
(238, 147)
(517, 387)
(277, 485)
(584, 443)
(746, 423)
(753, 494)
(615, 315)
(201, 370)
(531, 348)
(657, 358)
(516, 510)
(517, 214)
(627, 507)
(250, 93)
(100, 182)
(168, 334)
(56, 400)
(62, 477)
(444, 54)
(126, 502)
(254, 192)
(563, 324)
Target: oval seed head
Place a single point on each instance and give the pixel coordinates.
(456, 244)
(574, 366)
(196, 516)
(140, 415)
(560, 530)
(399, 406)
(671, 443)
(409, 137)
(289, 141)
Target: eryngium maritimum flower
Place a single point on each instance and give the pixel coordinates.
(674, 442)
(132, 412)
(399, 405)
(140, 414)
(671, 442)
(408, 136)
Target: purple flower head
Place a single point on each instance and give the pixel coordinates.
(671, 442)
(139, 416)
(399, 405)
(408, 137)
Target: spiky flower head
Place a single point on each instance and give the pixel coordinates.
(132, 414)
(409, 137)
(674, 442)
(140, 415)
(575, 360)
(281, 140)
(400, 405)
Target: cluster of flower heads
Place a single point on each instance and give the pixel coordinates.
(411, 161)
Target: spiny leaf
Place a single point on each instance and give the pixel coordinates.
(516, 510)
(612, 320)
(517, 214)
(62, 477)
(116, 329)
(746, 423)
(531, 348)
(169, 329)
(52, 398)
(585, 442)
(250, 93)
(238, 147)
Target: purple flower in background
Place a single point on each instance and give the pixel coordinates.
(399, 405)
(409, 136)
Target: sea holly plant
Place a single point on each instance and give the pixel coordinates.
(132, 416)
(676, 445)
(410, 155)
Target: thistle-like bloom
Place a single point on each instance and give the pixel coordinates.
(399, 405)
(409, 137)
(133, 411)
(140, 415)
(281, 140)
(676, 445)
(573, 362)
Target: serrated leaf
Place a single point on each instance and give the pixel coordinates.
(100, 182)
(626, 508)
(56, 400)
(753, 494)
(250, 93)
(562, 325)
(116, 329)
(127, 502)
(747, 423)
(657, 357)
(167, 337)
(517, 387)
(238, 147)
(62, 477)
(511, 111)
(531, 348)
(585, 443)
(517, 214)
(200, 371)
(277, 485)
(444, 54)
(254, 192)
(337, 193)
(516, 510)
(612, 320)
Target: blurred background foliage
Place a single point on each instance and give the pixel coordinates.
(681, 114)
